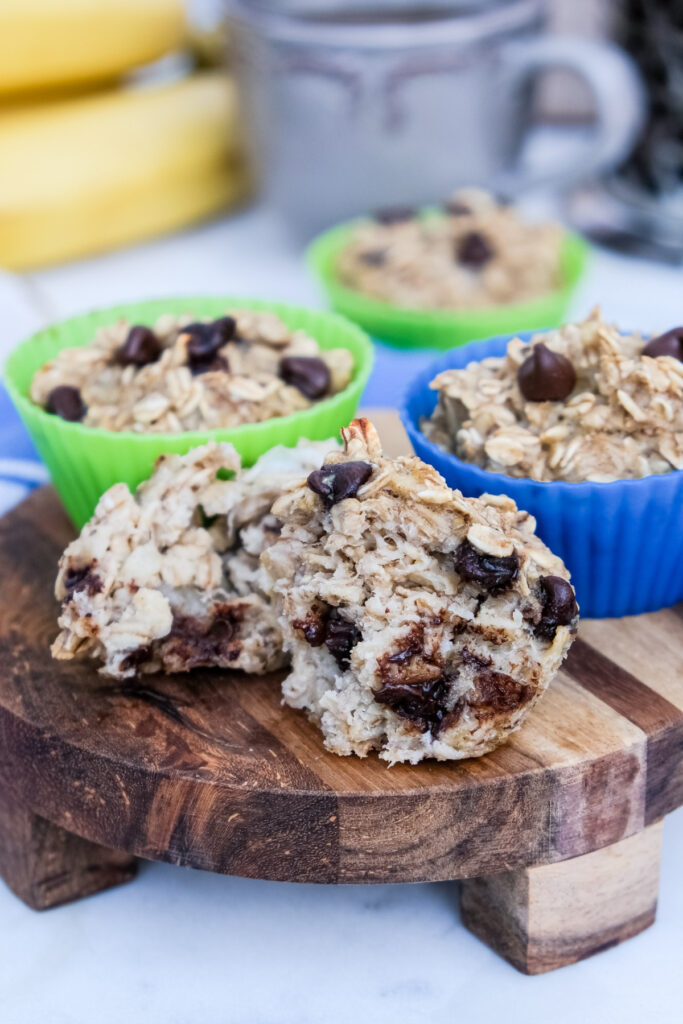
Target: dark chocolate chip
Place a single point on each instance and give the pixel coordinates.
(373, 257)
(496, 693)
(341, 636)
(206, 340)
(339, 480)
(218, 363)
(310, 375)
(140, 348)
(394, 214)
(559, 606)
(546, 376)
(197, 642)
(495, 574)
(66, 402)
(473, 250)
(72, 577)
(314, 625)
(456, 208)
(76, 580)
(136, 658)
(668, 344)
(419, 702)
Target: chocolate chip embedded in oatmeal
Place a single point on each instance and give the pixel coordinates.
(206, 340)
(668, 344)
(140, 348)
(199, 642)
(217, 364)
(394, 214)
(473, 250)
(494, 573)
(418, 702)
(136, 658)
(339, 481)
(341, 636)
(559, 606)
(546, 376)
(314, 625)
(66, 402)
(373, 257)
(83, 579)
(496, 693)
(310, 375)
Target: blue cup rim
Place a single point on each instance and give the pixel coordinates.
(476, 350)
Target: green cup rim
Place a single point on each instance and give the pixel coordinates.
(322, 253)
(146, 312)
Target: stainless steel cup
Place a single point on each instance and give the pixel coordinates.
(384, 103)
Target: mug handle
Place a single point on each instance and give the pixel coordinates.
(618, 94)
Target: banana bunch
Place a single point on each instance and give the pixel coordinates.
(87, 164)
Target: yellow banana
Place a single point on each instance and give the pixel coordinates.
(46, 43)
(89, 174)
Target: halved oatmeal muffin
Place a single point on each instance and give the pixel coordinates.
(420, 623)
(169, 578)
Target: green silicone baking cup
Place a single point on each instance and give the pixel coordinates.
(442, 329)
(84, 461)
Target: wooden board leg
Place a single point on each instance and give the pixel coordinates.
(46, 866)
(541, 918)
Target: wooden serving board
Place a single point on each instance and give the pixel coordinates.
(557, 833)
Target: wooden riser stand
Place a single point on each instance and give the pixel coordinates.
(209, 770)
(538, 918)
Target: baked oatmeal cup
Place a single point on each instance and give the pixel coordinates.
(103, 395)
(583, 427)
(439, 277)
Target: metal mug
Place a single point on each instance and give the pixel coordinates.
(384, 104)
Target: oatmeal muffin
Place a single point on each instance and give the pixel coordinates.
(245, 367)
(474, 254)
(579, 403)
(169, 578)
(420, 623)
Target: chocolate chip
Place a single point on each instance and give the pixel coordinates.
(473, 250)
(198, 642)
(419, 702)
(136, 658)
(72, 577)
(495, 574)
(341, 636)
(559, 606)
(206, 340)
(218, 363)
(668, 344)
(314, 625)
(456, 208)
(496, 693)
(66, 402)
(394, 214)
(310, 375)
(546, 376)
(338, 481)
(140, 348)
(77, 580)
(373, 257)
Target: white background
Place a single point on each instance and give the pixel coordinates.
(177, 946)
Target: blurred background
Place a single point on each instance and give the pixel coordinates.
(126, 119)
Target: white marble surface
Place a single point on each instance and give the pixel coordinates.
(178, 947)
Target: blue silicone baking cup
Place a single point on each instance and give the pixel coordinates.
(621, 541)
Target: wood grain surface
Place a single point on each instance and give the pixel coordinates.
(210, 770)
(542, 918)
